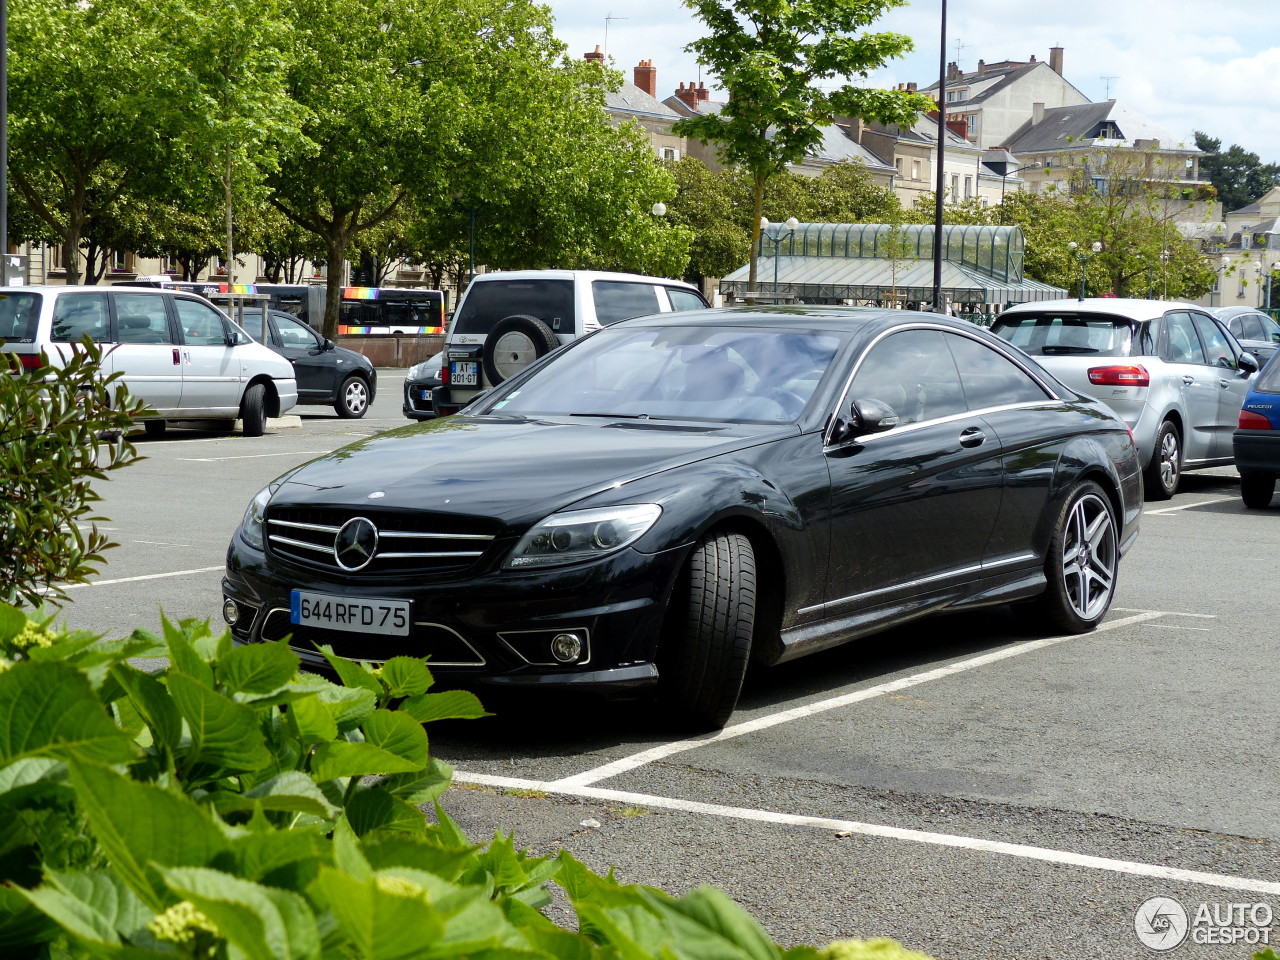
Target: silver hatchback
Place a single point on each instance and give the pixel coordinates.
(1171, 370)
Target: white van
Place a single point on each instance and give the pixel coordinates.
(180, 354)
(506, 320)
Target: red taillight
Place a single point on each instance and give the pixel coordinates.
(444, 374)
(1253, 421)
(1129, 376)
(29, 361)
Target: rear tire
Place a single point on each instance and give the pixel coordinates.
(1082, 563)
(1256, 489)
(1160, 479)
(253, 411)
(353, 398)
(155, 428)
(706, 652)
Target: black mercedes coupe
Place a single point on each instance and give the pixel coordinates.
(660, 504)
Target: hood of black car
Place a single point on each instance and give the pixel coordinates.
(514, 470)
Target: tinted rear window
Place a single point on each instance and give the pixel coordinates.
(617, 300)
(19, 313)
(487, 302)
(1062, 333)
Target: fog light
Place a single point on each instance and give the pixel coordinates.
(230, 611)
(566, 647)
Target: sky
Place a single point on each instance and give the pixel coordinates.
(1186, 65)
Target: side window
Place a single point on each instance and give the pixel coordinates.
(75, 314)
(1250, 328)
(913, 373)
(295, 333)
(990, 380)
(1217, 344)
(1184, 345)
(1147, 338)
(201, 324)
(141, 319)
(685, 299)
(616, 300)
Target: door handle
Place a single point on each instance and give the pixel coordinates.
(177, 359)
(1224, 384)
(972, 437)
(1188, 380)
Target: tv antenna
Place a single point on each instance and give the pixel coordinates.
(607, 18)
(1107, 95)
(960, 45)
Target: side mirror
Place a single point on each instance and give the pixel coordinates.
(1249, 363)
(328, 345)
(865, 416)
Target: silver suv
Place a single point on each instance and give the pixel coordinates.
(1171, 370)
(507, 320)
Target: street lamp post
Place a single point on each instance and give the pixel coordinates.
(1164, 273)
(776, 237)
(1074, 248)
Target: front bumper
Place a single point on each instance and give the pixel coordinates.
(418, 399)
(495, 628)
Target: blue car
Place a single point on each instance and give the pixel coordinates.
(1257, 438)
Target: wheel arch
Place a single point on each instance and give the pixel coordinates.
(271, 398)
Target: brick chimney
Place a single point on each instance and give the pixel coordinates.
(691, 96)
(982, 68)
(1055, 60)
(645, 76)
(595, 56)
(953, 72)
(1037, 113)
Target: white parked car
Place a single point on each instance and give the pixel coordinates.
(507, 320)
(180, 354)
(1171, 370)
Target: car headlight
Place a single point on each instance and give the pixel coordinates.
(577, 535)
(423, 370)
(251, 525)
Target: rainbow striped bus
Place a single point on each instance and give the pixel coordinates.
(409, 311)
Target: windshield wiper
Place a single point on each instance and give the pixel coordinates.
(1064, 348)
(617, 416)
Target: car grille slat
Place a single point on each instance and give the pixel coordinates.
(442, 645)
(418, 543)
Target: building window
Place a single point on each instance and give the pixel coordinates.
(955, 186)
(670, 153)
(898, 163)
(119, 261)
(968, 187)
(915, 169)
(971, 124)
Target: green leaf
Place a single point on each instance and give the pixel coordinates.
(382, 918)
(342, 759)
(375, 809)
(349, 706)
(353, 674)
(223, 732)
(257, 667)
(716, 926)
(449, 705)
(424, 787)
(108, 896)
(153, 703)
(22, 925)
(49, 709)
(261, 921)
(74, 915)
(291, 790)
(258, 855)
(396, 733)
(12, 622)
(406, 676)
(184, 656)
(30, 772)
(138, 824)
(418, 853)
(312, 720)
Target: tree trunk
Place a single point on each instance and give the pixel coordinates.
(230, 210)
(335, 247)
(757, 211)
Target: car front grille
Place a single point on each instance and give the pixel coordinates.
(444, 647)
(407, 543)
(414, 396)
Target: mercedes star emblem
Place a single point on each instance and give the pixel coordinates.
(355, 544)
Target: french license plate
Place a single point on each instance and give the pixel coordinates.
(389, 617)
(464, 373)
(424, 394)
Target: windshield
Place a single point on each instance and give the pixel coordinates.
(741, 375)
(1052, 333)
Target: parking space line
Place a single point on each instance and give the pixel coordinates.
(665, 750)
(1185, 506)
(975, 844)
(149, 576)
(253, 456)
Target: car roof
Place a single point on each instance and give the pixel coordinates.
(805, 316)
(90, 288)
(1225, 312)
(578, 275)
(1131, 308)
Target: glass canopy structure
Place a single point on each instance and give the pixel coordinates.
(880, 262)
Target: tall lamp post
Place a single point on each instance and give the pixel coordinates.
(1074, 248)
(776, 236)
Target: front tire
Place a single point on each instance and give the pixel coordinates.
(1082, 563)
(705, 655)
(353, 398)
(154, 427)
(253, 411)
(1256, 489)
(1160, 479)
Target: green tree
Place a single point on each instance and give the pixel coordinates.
(772, 58)
(90, 101)
(1236, 173)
